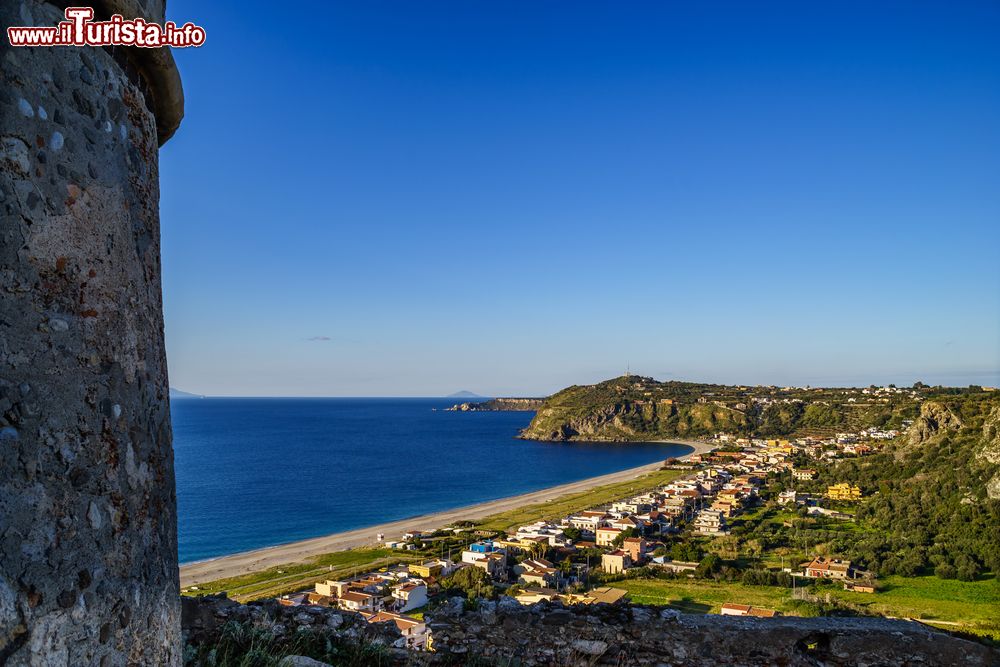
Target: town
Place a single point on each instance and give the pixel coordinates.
(578, 558)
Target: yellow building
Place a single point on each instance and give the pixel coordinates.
(843, 491)
(429, 569)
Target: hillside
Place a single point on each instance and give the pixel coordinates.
(632, 408)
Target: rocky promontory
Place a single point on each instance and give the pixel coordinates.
(500, 405)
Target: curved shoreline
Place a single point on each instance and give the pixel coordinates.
(259, 559)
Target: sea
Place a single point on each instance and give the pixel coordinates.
(256, 472)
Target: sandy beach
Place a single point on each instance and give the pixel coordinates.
(260, 559)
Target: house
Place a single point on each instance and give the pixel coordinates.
(479, 551)
(589, 521)
(413, 629)
(843, 491)
(635, 547)
(606, 536)
(804, 474)
(428, 569)
(675, 566)
(358, 601)
(333, 588)
(787, 497)
(410, 595)
(859, 587)
(615, 562)
(832, 568)
(605, 595)
(495, 564)
(710, 522)
(730, 609)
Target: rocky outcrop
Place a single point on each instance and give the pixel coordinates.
(205, 618)
(506, 632)
(935, 418)
(989, 450)
(88, 534)
(549, 634)
(500, 405)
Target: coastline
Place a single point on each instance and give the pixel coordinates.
(237, 564)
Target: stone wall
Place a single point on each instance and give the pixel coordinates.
(507, 633)
(88, 544)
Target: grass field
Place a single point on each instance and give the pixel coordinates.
(575, 502)
(950, 603)
(298, 576)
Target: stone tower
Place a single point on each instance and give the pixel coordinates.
(88, 526)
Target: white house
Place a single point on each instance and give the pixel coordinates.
(410, 595)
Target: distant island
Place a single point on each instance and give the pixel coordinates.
(177, 393)
(465, 394)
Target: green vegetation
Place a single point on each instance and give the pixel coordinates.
(283, 579)
(248, 645)
(971, 605)
(638, 408)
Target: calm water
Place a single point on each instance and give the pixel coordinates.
(257, 472)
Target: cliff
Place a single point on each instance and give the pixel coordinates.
(631, 408)
(635, 408)
(500, 405)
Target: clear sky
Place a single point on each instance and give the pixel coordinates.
(412, 198)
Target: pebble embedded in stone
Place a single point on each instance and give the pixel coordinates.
(94, 516)
(122, 130)
(116, 410)
(8, 434)
(42, 113)
(57, 324)
(25, 108)
(56, 142)
(107, 126)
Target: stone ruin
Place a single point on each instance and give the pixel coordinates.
(88, 527)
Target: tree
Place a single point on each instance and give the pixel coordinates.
(472, 582)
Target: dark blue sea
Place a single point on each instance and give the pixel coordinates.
(255, 472)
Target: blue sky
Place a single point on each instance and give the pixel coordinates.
(412, 198)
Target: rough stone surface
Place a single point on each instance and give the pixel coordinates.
(637, 635)
(88, 553)
(506, 633)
